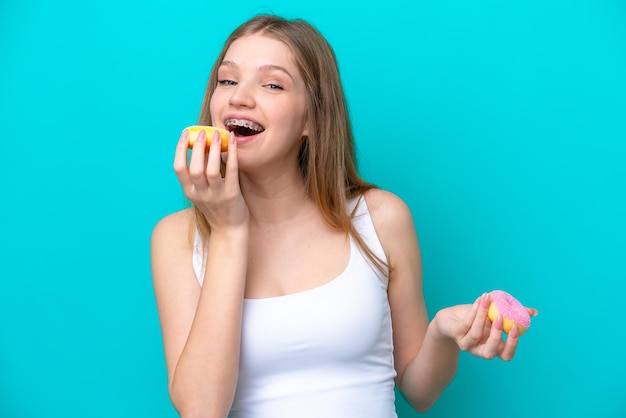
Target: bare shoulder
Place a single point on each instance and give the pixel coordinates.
(396, 231)
(389, 212)
(393, 222)
(171, 249)
(173, 229)
(171, 243)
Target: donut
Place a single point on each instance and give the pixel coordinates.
(511, 310)
(194, 131)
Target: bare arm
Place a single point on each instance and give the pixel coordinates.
(460, 327)
(201, 326)
(427, 354)
(425, 364)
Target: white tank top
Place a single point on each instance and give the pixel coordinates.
(324, 352)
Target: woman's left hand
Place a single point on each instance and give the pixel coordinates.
(471, 329)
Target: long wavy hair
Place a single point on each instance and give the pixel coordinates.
(327, 157)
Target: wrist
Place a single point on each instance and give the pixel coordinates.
(230, 233)
(438, 330)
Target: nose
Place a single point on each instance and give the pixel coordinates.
(242, 95)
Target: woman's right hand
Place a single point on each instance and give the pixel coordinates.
(218, 198)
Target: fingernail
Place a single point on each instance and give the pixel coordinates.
(498, 323)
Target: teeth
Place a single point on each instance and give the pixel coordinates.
(244, 124)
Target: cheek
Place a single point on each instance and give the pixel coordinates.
(293, 114)
(214, 104)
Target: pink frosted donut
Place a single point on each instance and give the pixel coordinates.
(512, 312)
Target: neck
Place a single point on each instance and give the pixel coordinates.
(277, 200)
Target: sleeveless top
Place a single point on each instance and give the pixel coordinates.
(324, 352)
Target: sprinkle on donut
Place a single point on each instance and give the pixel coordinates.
(511, 310)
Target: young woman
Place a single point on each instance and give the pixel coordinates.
(293, 288)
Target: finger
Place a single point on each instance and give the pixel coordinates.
(493, 344)
(509, 348)
(463, 326)
(180, 159)
(476, 331)
(232, 164)
(197, 161)
(213, 164)
(466, 340)
(532, 311)
(468, 319)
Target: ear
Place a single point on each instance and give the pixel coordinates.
(305, 130)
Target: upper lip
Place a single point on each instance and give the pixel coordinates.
(241, 117)
(243, 126)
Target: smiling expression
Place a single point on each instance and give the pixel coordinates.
(261, 97)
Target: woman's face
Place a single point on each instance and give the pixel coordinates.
(261, 96)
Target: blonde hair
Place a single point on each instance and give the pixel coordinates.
(327, 158)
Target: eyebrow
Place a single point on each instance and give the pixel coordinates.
(264, 68)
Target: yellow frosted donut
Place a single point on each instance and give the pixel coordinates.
(194, 131)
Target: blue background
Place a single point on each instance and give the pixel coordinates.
(504, 128)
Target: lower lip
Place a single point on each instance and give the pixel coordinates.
(245, 139)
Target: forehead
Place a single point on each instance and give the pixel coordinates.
(258, 50)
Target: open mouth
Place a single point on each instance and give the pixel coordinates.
(242, 127)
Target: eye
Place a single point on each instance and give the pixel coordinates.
(226, 82)
(273, 86)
